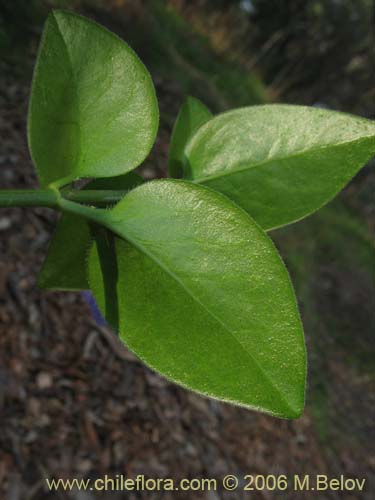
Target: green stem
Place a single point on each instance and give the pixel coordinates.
(50, 197)
(29, 198)
(97, 215)
(62, 201)
(96, 196)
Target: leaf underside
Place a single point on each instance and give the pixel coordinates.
(204, 298)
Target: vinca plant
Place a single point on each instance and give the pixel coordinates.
(182, 268)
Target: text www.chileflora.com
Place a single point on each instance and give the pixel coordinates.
(139, 483)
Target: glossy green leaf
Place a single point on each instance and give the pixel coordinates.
(193, 114)
(279, 162)
(64, 267)
(204, 298)
(93, 110)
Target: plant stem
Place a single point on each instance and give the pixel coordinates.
(28, 198)
(96, 215)
(95, 196)
(50, 197)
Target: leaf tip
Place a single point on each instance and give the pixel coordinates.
(296, 407)
(295, 412)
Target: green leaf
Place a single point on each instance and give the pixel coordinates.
(64, 267)
(193, 114)
(204, 298)
(279, 162)
(93, 110)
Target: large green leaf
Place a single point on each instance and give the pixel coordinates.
(279, 162)
(203, 297)
(93, 110)
(64, 267)
(193, 114)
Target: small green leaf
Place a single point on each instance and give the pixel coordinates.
(204, 298)
(193, 114)
(93, 110)
(64, 267)
(279, 162)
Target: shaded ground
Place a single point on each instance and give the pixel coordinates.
(75, 403)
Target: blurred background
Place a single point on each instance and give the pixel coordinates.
(73, 401)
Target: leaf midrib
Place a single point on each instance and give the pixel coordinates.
(227, 173)
(75, 168)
